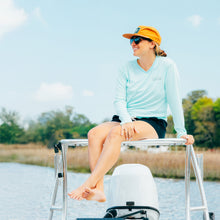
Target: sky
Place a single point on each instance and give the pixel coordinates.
(67, 53)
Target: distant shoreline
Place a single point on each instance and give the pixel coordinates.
(164, 165)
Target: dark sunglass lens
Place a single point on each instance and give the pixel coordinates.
(137, 40)
(131, 40)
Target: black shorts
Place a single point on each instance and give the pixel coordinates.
(159, 125)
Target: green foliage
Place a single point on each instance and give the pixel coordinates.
(202, 118)
(188, 103)
(48, 129)
(198, 111)
(56, 125)
(10, 130)
(216, 109)
(189, 122)
(82, 130)
(195, 95)
(80, 120)
(170, 125)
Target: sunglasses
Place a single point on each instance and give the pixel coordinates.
(137, 40)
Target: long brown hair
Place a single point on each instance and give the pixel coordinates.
(157, 50)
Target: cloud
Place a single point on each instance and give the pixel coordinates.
(88, 93)
(10, 16)
(195, 20)
(54, 92)
(37, 13)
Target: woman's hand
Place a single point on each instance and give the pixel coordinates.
(189, 138)
(128, 130)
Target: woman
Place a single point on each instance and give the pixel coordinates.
(144, 89)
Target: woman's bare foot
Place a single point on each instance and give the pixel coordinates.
(93, 194)
(77, 193)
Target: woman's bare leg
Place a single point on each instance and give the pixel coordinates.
(109, 156)
(96, 139)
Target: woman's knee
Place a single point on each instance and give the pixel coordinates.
(102, 131)
(115, 133)
(93, 133)
(97, 133)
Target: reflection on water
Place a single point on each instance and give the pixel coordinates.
(26, 190)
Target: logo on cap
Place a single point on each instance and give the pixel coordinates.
(137, 30)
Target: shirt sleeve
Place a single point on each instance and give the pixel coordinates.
(174, 99)
(120, 102)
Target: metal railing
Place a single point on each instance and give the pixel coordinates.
(61, 171)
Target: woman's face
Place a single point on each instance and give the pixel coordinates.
(142, 48)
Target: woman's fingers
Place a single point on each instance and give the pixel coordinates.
(135, 130)
(128, 130)
(124, 132)
(130, 133)
(189, 138)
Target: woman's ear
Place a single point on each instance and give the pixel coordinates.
(152, 45)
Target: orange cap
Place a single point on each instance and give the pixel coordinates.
(147, 32)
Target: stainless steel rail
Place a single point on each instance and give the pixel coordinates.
(61, 171)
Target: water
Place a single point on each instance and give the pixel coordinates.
(26, 191)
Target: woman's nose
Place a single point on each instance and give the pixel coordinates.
(133, 43)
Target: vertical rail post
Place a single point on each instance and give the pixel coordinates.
(64, 160)
(187, 181)
(57, 167)
(200, 184)
(199, 158)
(56, 161)
(54, 198)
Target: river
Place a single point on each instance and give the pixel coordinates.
(26, 191)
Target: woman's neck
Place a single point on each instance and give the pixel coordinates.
(146, 61)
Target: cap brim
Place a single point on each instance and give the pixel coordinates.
(129, 36)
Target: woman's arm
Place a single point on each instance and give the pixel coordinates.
(172, 86)
(120, 101)
(175, 102)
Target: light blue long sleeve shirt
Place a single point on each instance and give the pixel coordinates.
(141, 93)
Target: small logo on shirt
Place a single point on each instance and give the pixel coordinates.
(157, 78)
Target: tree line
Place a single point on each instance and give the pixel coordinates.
(49, 128)
(202, 119)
